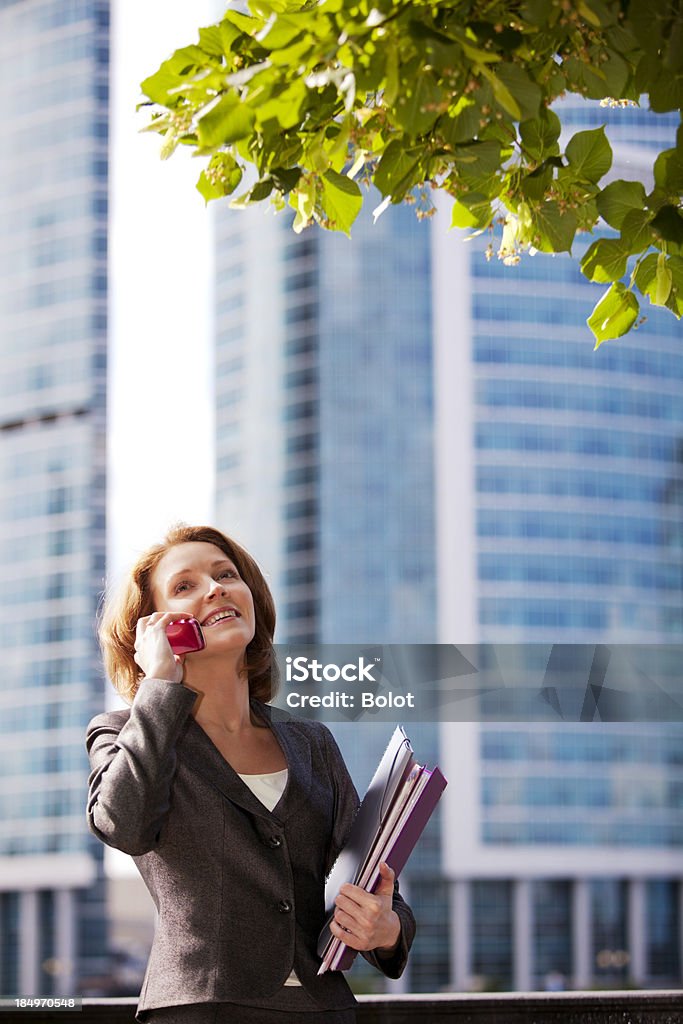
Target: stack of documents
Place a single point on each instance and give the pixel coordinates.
(390, 820)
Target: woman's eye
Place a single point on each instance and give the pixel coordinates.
(231, 573)
(181, 586)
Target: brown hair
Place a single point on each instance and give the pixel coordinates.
(122, 610)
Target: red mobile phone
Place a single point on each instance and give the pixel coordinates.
(185, 636)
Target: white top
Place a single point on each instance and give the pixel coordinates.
(268, 789)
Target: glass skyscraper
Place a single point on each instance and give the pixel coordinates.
(54, 73)
(419, 446)
(559, 516)
(324, 440)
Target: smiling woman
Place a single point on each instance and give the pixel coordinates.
(234, 819)
(160, 581)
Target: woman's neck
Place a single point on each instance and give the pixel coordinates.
(224, 694)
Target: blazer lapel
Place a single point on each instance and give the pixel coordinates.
(199, 753)
(297, 750)
(202, 756)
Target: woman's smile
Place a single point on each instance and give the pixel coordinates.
(197, 578)
(222, 615)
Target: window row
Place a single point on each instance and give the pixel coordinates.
(614, 791)
(579, 526)
(581, 833)
(582, 570)
(587, 482)
(576, 440)
(641, 362)
(562, 397)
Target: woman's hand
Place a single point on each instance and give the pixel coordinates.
(365, 920)
(153, 652)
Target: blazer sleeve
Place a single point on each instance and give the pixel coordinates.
(133, 765)
(346, 807)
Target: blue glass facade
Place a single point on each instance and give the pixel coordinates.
(350, 469)
(578, 539)
(378, 579)
(54, 75)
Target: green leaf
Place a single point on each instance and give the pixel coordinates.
(281, 32)
(552, 230)
(442, 51)
(281, 102)
(478, 158)
(419, 99)
(614, 314)
(461, 123)
(619, 198)
(535, 185)
(221, 177)
(585, 78)
(616, 72)
(673, 58)
(159, 87)
(663, 281)
(211, 40)
(636, 233)
(669, 170)
(526, 93)
(227, 121)
(666, 92)
(645, 274)
(243, 22)
(586, 12)
(589, 154)
(604, 261)
(229, 34)
(668, 224)
(286, 178)
(675, 300)
(472, 211)
(391, 84)
(501, 93)
(656, 274)
(341, 199)
(539, 135)
(303, 199)
(395, 169)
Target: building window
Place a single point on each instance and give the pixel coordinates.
(663, 930)
(552, 955)
(492, 933)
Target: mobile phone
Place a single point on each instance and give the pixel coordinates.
(185, 636)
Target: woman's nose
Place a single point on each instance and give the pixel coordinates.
(216, 587)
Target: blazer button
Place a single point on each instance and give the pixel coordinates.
(284, 906)
(274, 841)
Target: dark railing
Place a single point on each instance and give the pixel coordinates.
(637, 1007)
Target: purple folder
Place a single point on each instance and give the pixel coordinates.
(371, 840)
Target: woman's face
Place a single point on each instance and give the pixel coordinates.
(197, 578)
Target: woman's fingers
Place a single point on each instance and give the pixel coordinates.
(153, 652)
(366, 920)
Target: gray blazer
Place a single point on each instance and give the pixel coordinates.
(239, 889)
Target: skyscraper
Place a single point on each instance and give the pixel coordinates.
(54, 71)
(559, 513)
(324, 451)
(421, 446)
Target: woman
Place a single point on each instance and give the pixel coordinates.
(233, 819)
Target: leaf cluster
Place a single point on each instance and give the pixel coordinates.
(312, 97)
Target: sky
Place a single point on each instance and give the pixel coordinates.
(160, 434)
